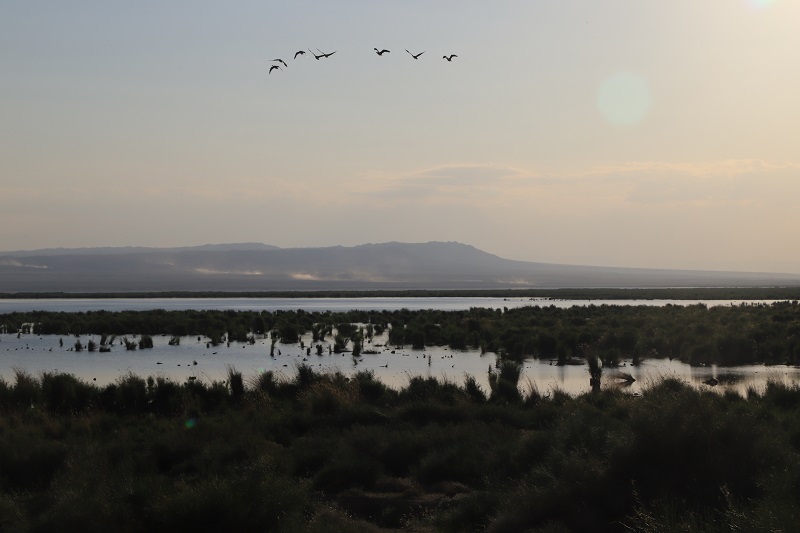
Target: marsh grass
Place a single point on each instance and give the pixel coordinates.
(504, 382)
(235, 383)
(64, 393)
(327, 397)
(287, 454)
(27, 390)
(474, 391)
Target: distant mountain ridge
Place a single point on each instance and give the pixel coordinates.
(390, 265)
(112, 250)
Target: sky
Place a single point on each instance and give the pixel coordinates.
(611, 132)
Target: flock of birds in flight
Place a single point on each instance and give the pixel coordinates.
(323, 55)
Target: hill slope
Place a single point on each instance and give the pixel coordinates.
(259, 267)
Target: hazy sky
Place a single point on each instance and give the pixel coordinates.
(606, 132)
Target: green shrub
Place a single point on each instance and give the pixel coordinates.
(27, 390)
(251, 498)
(130, 394)
(236, 384)
(145, 342)
(64, 393)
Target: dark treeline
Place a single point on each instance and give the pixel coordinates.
(695, 293)
(330, 453)
(695, 334)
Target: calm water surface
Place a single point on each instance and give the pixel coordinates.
(321, 304)
(393, 366)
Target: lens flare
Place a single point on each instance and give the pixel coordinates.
(624, 99)
(192, 422)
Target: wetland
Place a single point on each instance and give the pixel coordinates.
(296, 420)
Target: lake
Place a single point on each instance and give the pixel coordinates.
(393, 366)
(320, 304)
(194, 358)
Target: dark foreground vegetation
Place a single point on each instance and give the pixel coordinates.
(695, 334)
(330, 453)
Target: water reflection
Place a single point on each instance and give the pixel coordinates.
(193, 358)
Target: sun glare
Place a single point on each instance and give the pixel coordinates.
(624, 99)
(759, 5)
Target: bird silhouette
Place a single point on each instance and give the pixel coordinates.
(449, 58)
(381, 52)
(299, 53)
(282, 61)
(415, 56)
(273, 67)
(317, 57)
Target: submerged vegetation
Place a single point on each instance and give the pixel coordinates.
(326, 452)
(694, 334)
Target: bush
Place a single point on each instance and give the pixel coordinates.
(130, 394)
(325, 398)
(64, 393)
(27, 390)
(145, 342)
(504, 383)
(166, 397)
(236, 384)
(253, 498)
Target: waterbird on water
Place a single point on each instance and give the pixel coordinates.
(415, 56)
(450, 57)
(381, 52)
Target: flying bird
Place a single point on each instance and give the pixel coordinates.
(299, 53)
(322, 54)
(282, 61)
(273, 67)
(450, 58)
(381, 52)
(414, 56)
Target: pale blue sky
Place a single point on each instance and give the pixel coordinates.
(614, 132)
